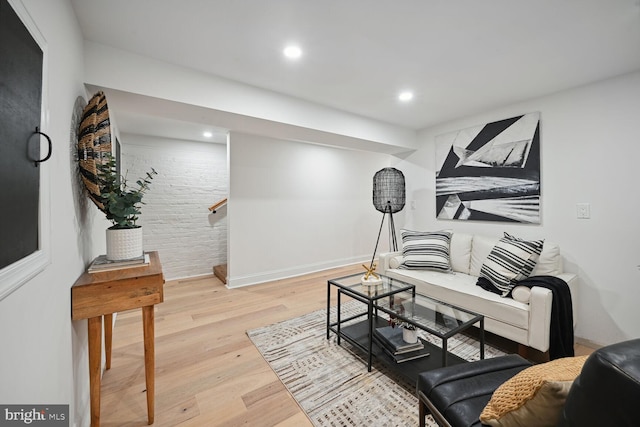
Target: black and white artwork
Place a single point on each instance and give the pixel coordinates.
(490, 172)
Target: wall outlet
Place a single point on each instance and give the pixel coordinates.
(583, 210)
(413, 204)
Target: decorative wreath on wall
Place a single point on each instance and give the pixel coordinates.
(94, 144)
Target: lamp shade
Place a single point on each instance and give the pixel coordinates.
(388, 190)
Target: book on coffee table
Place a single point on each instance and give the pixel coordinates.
(391, 339)
(411, 355)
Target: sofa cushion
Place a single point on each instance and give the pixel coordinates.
(534, 396)
(480, 249)
(460, 252)
(511, 260)
(426, 250)
(550, 262)
(460, 290)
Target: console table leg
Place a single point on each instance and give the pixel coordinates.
(149, 358)
(108, 339)
(95, 360)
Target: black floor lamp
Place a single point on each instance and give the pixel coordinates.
(388, 198)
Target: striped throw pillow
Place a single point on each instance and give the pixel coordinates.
(426, 250)
(511, 260)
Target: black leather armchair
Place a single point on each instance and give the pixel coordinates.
(606, 393)
(455, 395)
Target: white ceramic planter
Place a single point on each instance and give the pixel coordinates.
(124, 243)
(410, 335)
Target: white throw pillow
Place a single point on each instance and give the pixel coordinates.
(395, 261)
(426, 250)
(521, 294)
(550, 261)
(481, 247)
(511, 260)
(460, 252)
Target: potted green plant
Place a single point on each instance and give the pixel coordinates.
(121, 205)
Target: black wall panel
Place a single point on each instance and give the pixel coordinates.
(20, 102)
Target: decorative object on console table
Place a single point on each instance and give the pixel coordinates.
(124, 243)
(94, 143)
(107, 188)
(101, 263)
(388, 198)
(122, 207)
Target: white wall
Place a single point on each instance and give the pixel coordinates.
(43, 358)
(175, 217)
(296, 208)
(589, 153)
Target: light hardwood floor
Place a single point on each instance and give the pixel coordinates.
(208, 373)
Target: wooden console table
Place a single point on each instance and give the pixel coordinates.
(95, 295)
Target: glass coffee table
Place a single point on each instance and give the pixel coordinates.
(397, 299)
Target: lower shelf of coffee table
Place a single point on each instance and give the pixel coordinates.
(358, 334)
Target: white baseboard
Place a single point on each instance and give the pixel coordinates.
(186, 278)
(269, 276)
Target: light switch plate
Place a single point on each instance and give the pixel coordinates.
(583, 210)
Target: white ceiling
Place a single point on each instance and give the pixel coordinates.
(460, 57)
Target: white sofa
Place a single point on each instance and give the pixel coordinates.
(525, 318)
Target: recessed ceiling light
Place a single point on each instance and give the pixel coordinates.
(207, 134)
(292, 52)
(405, 96)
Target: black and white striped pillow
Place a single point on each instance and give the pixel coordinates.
(511, 260)
(426, 250)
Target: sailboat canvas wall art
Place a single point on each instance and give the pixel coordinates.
(490, 172)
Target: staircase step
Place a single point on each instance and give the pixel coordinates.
(220, 271)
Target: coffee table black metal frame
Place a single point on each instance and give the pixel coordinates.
(368, 296)
(398, 299)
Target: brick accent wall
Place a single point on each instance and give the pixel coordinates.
(176, 220)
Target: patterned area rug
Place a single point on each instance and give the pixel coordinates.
(331, 384)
